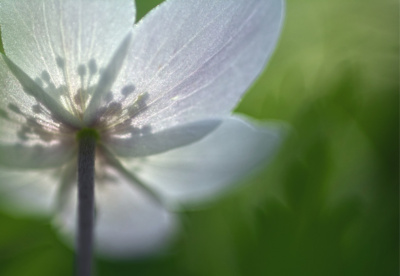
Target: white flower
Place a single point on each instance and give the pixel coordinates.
(159, 94)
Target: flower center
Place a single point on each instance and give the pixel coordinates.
(87, 132)
(116, 113)
(74, 89)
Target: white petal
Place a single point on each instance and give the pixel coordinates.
(148, 143)
(128, 221)
(64, 43)
(29, 191)
(106, 81)
(30, 134)
(205, 168)
(195, 59)
(31, 88)
(17, 156)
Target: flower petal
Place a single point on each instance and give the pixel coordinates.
(106, 80)
(148, 143)
(63, 44)
(29, 191)
(194, 59)
(18, 156)
(207, 167)
(30, 134)
(128, 221)
(30, 87)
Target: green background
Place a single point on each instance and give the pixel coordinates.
(328, 203)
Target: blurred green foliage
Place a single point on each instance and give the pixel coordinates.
(328, 204)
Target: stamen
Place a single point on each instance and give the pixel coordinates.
(127, 90)
(37, 109)
(60, 62)
(15, 109)
(45, 76)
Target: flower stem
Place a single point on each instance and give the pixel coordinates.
(87, 146)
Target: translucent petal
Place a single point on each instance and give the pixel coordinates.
(106, 80)
(205, 168)
(128, 222)
(30, 87)
(148, 143)
(30, 134)
(17, 156)
(29, 191)
(64, 44)
(193, 60)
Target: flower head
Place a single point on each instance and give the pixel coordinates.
(158, 94)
